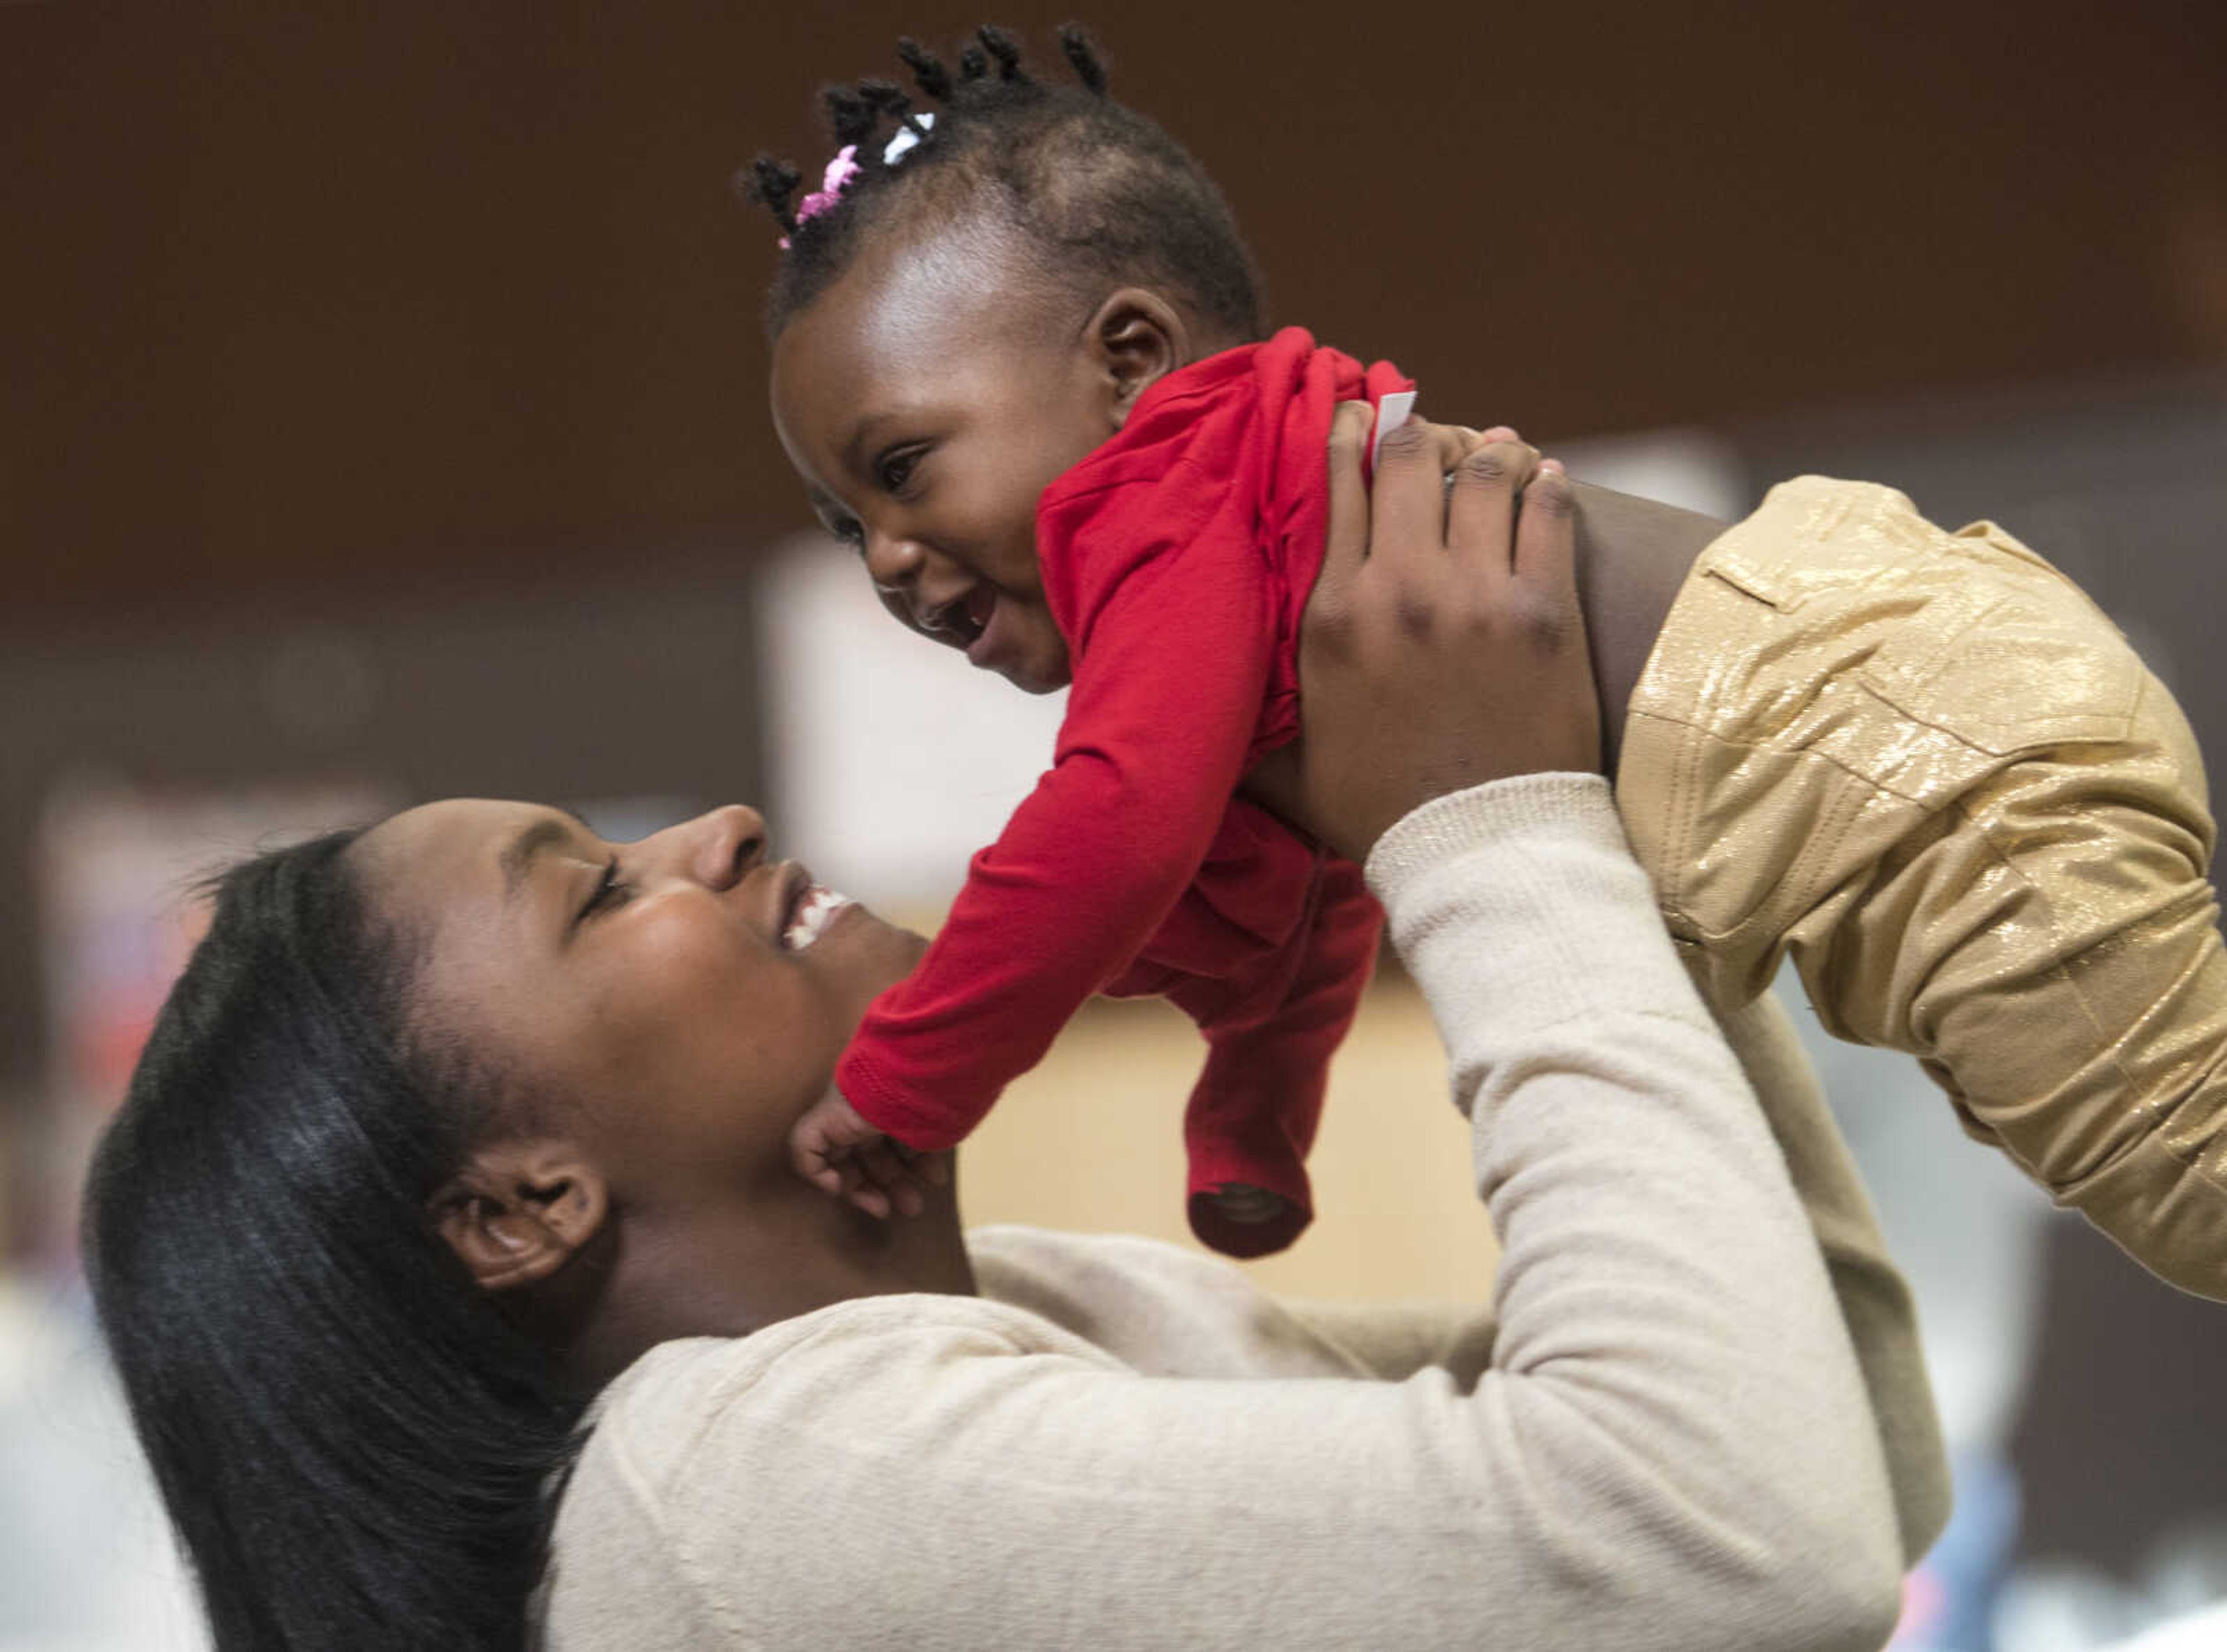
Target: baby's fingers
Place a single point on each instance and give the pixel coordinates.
(890, 1175)
(814, 1156)
(934, 1169)
(863, 1193)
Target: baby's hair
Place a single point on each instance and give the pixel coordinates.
(1101, 191)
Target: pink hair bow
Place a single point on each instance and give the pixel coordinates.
(841, 171)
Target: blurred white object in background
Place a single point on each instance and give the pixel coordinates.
(1693, 469)
(891, 759)
(2202, 1631)
(86, 1561)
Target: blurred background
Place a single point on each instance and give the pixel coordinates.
(382, 416)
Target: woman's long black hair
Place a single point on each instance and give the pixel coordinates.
(357, 1450)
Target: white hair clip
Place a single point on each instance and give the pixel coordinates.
(907, 136)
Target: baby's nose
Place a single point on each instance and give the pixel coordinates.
(891, 561)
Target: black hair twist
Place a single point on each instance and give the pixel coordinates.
(889, 99)
(851, 116)
(1000, 44)
(927, 71)
(771, 182)
(1082, 56)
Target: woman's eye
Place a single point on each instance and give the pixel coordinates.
(609, 891)
(894, 469)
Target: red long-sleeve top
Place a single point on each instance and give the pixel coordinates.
(1176, 560)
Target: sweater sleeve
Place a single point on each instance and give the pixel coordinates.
(1875, 1300)
(1159, 719)
(1669, 1450)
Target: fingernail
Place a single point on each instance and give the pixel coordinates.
(1552, 466)
(1500, 433)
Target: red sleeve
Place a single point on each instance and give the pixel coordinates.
(1159, 724)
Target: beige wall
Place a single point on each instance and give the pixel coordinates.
(1092, 1139)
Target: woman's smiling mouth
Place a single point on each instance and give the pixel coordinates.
(815, 907)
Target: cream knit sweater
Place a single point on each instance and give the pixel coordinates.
(1670, 1432)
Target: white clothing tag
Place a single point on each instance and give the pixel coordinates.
(1392, 412)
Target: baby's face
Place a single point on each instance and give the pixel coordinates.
(928, 400)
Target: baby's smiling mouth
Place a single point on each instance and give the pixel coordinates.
(962, 619)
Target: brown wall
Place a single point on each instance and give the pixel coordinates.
(309, 303)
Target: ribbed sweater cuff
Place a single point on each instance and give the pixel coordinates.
(1445, 827)
(1518, 905)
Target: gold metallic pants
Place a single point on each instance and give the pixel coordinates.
(1925, 765)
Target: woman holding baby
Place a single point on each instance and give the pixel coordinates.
(465, 1294)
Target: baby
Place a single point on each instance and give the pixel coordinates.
(1020, 363)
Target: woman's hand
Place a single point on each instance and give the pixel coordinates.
(1442, 646)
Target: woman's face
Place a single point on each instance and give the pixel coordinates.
(679, 1001)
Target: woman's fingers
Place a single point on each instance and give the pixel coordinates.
(1407, 497)
(1547, 537)
(1346, 546)
(1454, 655)
(1482, 507)
(1457, 442)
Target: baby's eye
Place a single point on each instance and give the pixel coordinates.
(894, 470)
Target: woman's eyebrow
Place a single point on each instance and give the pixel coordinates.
(548, 831)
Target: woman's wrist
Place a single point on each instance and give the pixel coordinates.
(1429, 834)
(1519, 902)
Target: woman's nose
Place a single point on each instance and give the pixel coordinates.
(716, 848)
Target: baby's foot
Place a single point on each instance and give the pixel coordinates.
(1244, 1203)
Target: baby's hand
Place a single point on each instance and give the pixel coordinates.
(837, 1151)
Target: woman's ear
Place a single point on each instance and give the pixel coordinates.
(1135, 339)
(520, 1211)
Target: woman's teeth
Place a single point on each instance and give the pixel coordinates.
(812, 914)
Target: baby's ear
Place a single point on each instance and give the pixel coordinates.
(1135, 339)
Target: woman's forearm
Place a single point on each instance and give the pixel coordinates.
(1875, 1300)
(1669, 1349)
